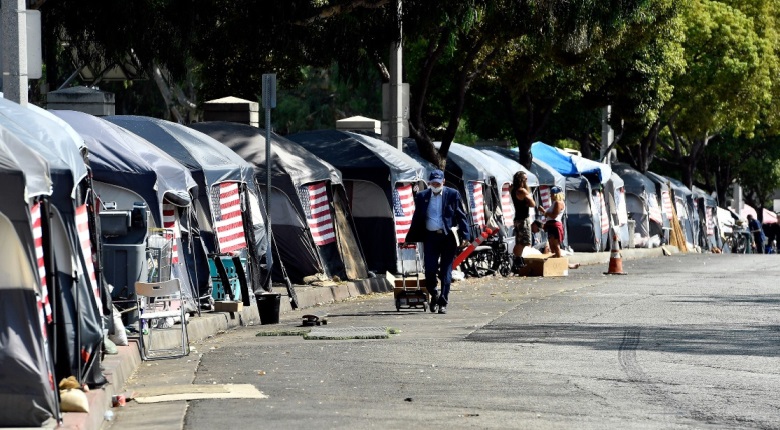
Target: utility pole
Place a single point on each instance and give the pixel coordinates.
(14, 36)
(396, 79)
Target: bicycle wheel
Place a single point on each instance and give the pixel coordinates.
(742, 247)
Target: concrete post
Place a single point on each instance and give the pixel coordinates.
(607, 134)
(14, 34)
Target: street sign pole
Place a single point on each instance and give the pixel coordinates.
(269, 102)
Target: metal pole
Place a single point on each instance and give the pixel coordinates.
(268, 256)
(396, 79)
(269, 102)
(607, 134)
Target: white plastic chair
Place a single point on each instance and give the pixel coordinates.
(155, 302)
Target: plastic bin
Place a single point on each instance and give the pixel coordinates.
(268, 307)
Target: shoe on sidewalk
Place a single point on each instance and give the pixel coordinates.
(442, 309)
(434, 299)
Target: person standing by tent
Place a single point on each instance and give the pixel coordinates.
(438, 212)
(758, 233)
(554, 227)
(523, 200)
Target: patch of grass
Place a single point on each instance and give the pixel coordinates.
(286, 332)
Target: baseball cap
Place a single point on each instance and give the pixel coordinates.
(436, 176)
(555, 190)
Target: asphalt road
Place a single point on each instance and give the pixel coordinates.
(687, 341)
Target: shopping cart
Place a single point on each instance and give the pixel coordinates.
(159, 254)
(159, 257)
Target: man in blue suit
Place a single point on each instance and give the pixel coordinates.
(437, 210)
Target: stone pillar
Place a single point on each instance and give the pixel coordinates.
(14, 36)
(232, 109)
(82, 99)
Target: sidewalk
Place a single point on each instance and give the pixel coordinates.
(119, 368)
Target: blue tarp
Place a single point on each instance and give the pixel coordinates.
(569, 164)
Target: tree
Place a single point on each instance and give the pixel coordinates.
(727, 84)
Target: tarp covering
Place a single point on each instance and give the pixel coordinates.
(769, 217)
(379, 180)
(641, 202)
(294, 171)
(26, 381)
(218, 172)
(122, 158)
(511, 164)
(79, 326)
(35, 167)
(570, 164)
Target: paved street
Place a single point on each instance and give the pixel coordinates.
(687, 341)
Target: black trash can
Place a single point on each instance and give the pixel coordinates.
(268, 307)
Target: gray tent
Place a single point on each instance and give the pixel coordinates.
(26, 392)
(642, 203)
(128, 171)
(582, 216)
(79, 300)
(707, 206)
(665, 198)
(379, 180)
(687, 210)
(311, 223)
(512, 165)
(225, 181)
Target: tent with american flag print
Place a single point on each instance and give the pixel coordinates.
(77, 298)
(28, 394)
(547, 178)
(709, 228)
(379, 180)
(313, 230)
(470, 178)
(642, 203)
(127, 169)
(664, 191)
(687, 212)
(229, 209)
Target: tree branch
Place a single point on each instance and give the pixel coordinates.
(338, 9)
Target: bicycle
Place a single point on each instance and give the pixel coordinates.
(739, 239)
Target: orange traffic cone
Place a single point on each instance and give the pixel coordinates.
(615, 260)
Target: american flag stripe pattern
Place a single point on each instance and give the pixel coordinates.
(667, 202)
(476, 202)
(171, 221)
(44, 305)
(604, 213)
(228, 221)
(82, 224)
(710, 221)
(403, 209)
(654, 210)
(544, 195)
(317, 207)
(508, 209)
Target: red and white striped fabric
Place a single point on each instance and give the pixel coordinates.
(476, 202)
(228, 219)
(710, 221)
(82, 224)
(654, 211)
(403, 209)
(667, 202)
(544, 195)
(44, 304)
(507, 208)
(604, 213)
(318, 213)
(171, 222)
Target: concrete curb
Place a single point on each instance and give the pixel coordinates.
(120, 367)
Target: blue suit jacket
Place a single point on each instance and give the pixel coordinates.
(452, 214)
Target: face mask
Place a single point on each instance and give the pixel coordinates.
(438, 189)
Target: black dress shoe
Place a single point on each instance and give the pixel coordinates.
(434, 299)
(442, 309)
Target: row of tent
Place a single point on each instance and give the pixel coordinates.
(83, 195)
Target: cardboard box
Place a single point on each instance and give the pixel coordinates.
(545, 265)
(227, 306)
(410, 281)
